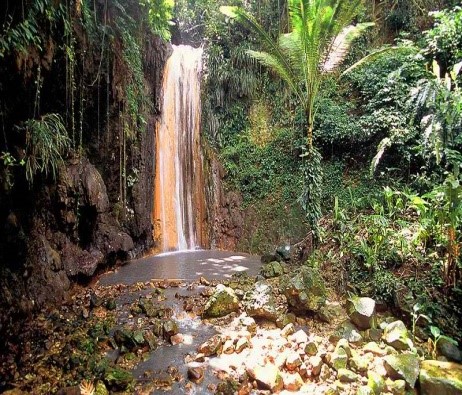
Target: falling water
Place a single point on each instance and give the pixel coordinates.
(179, 197)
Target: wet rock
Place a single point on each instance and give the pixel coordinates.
(111, 304)
(101, 389)
(272, 269)
(304, 290)
(260, 302)
(268, 377)
(361, 312)
(311, 349)
(346, 376)
(212, 346)
(170, 328)
(284, 252)
(74, 390)
(316, 365)
(148, 307)
(117, 378)
(241, 344)
(176, 339)
(249, 324)
(375, 382)
(196, 375)
(228, 347)
(292, 381)
(95, 300)
(221, 303)
(288, 330)
(293, 361)
(449, 350)
(124, 339)
(442, 378)
(268, 258)
(403, 366)
(397, 336)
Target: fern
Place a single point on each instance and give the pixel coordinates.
(46, 144)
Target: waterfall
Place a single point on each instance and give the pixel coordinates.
(179, 205)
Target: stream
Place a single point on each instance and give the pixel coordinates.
(182, 269)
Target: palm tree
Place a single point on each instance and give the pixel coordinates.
(319, 40)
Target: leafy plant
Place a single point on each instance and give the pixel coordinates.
(416, 316)
(46, 144)
(437, 337)
(159, 16)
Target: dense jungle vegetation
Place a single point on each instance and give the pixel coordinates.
(387, 129)
(351, 149)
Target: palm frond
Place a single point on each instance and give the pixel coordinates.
(341, 45)
(377, 54)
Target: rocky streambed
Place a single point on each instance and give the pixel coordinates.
(279, 332)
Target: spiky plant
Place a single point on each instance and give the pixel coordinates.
(320, 37)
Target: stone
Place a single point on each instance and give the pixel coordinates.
(221, 303)
(212, 346)
(316, 364)
(259, 302)
(339, 359)
(397, 336)
(268, 377)
(176, 339)
(241, 344)
(361, 312)
(292, 381)
(325, 373)
(358, 363)
(403, 366)
(284, 252)
(101, 389)
(364, 390)
(272, 269)
(117, 378)
(268, 258)
(288, 330)
(442, 378)
(196, 374)
(375, 349)
(375, 382)
(449, 350)
(346, 376)
(305, 290)
(169, 328)
(293, 361)
(396, 387)
(299, 337)
(228, 347)
(311, 349)
(346, 330)
(343, 343)
(331, 311)
(375, 334)
(249, 324)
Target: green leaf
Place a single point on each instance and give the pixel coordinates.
(435, 331)
(229, 11)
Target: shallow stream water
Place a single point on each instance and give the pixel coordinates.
(187, 266)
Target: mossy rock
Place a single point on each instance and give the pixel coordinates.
(305, 290)
(221, 303)
(442, 378)
(361, 312)
(272, 269)
(403, 366)
(118, 378)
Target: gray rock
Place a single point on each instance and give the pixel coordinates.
(361, 312)
(403, 366)
(449, 350)
(339, 359)
(221, 303)
(346, 330)
(259, 302)
(304, 290)
(442, 378)
(331, 311)
(375, 382)
(397, 336)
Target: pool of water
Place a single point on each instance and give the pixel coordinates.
(184, 265)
